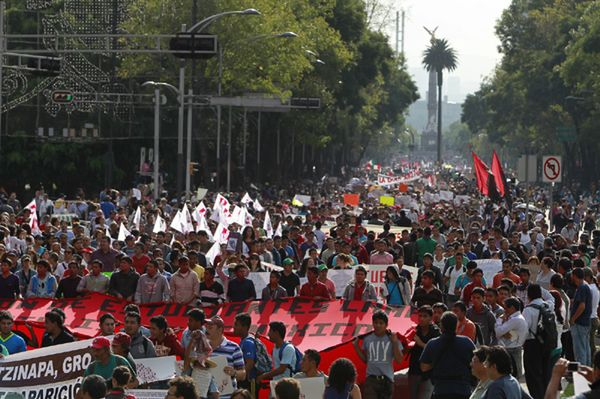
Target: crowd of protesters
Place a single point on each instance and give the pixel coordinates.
(474, 338)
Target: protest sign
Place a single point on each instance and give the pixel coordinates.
(446, 195)
(155, 369)
(490, 267)
(351, 199)
(223, 381)
(309, 387)
(148, 393)
(387, 201)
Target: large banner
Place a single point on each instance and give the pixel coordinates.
(387, 181)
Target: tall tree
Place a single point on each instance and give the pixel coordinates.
(439, 56)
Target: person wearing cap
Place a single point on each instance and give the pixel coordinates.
(95, 281)
(105, 362)
(67, 286)
(124, 282)
(313, 288)
(240, 288)
(236, 368)
(184, 284)
(289, 279)
(121, 345)
(323, 270)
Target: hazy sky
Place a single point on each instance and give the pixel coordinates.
(469, 27)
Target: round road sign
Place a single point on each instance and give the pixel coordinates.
(552, 169)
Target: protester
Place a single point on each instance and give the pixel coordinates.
(310, 366)
(428, 264)
(92, 387)
(419, 382)
(151, 287)
(165, 342)
(11, 341)
(426, 293)
(560, 370)
(360, 289)
(313, 288)
(480, 372)
(107, 324)
(448, 358)
(287, 388)
(141, 346)
(323, 270)
(512, 331)
(464, 327)
(184, 284)
(124, 282)
(43, 284)
(67, 286)
(105, 256)
(222, 346)
(342, 381)
(581, 314)
(250, 348)
(378, 350)
(289, 280)
(273, 290)
(503, 385)
(9, 282)
(93, 282)
(240, 288)
(120, 379)
(211, 291)
(396, 289)
(121, 345)
(182, 388)
(55, 333)
(284, 354)
(105, 362)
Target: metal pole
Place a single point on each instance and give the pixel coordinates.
(245, 139)
(180, 122)
(402, 31)
(156, 141)
(527, 189)
(2, 46)
(188, 174)
(219, 114)
(397, 31)
(278, 141)
(258, 147)
(229, 153)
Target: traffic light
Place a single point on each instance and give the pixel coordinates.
(193, 46)
(62, 96)
(193, 167)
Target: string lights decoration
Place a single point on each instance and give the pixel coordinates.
(87, 21)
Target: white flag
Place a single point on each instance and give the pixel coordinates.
(186, 220)
(203, 226)
(199, 211)
(213, 252)
(248, 218)
(33, 219)
(268, 226)
(107, 232)
(159, 225)
(246, 199)
(235, 216)
(257, 206)
(123, 232)
(221, 234)
(279, 231)
(137, 218)
(176, 223)
(221, 202)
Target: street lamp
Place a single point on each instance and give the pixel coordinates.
(196, 28)
(157, 86)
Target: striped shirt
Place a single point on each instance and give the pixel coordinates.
(234, 355)
(213, 295)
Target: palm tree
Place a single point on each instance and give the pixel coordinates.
(437, 57)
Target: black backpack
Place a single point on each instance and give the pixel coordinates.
(547, 333)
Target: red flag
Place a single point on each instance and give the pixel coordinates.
(482, 172)
(498, 175)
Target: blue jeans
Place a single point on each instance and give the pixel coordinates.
(581, 344)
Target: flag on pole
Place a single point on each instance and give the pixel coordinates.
(246, 199)
(203, 226)
(176, 223)
(481, 174)
(137, 218)
(213, 252)
(199, 212)
(279, 231)
(33, 219)
(221, 234)
(159, 225)
(498, 175)
(123, 232)
(186, 220)
(268, 226)
(257, 206)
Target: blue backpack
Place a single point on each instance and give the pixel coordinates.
(294, 368)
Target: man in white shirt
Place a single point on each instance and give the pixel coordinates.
(511, 331)
(588, 276)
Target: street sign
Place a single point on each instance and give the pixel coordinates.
(527, 169)
(62, 96)
(552, 169)
(566, 134)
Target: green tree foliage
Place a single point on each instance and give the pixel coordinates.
(546, 79)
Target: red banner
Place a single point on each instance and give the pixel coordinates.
(327, 327)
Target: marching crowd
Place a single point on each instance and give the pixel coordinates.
(473, 339)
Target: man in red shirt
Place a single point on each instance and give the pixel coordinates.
(477, 282)
(139, 258)
(314, 288)
(507, 272)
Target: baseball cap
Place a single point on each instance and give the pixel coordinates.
(288, 261)
(87, 250)
(100, 342)
(322, 267)
(430, 256)
(217, 321)
(122, 339)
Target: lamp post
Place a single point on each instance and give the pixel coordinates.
(283, 35)
(157, 86)
(196, 28)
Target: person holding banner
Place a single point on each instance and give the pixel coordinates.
(11, 341)
(273, 290)
(314, 289)
(323, 270)
(55, 333)
(9, 282)
(360, 289)
(105, 362)
(395, 290)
